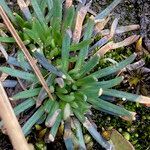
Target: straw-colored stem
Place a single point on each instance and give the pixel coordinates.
(10, 122)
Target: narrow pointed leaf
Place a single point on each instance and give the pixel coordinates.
(7, 40)
(80, 45)
(38, 11)
(105, 84)
(32, 121)
(68, 19)
(26, 94)
(113, 109)
(83, 52)
(107, 11)
(24, 106)
(89, 66)
(43, 61)
(57, 15)
(55, 127)
(79, 134)
(80, 16)
(127, 96)
(19, 74)
(113, 69)
(96, 135)
(65, 50)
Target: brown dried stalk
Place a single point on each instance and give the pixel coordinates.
(10, 122)
(68, 3)
(79, 22)
(111, 45)
(25, 51)
(119, 30)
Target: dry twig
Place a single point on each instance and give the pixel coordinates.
(10, 122)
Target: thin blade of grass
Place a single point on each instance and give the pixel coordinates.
(55, 127)
(57, 16)
(32, 120)
(83, 52)
(65, 50)
(79, 134)
(43, 61)
(127, 96)
(38, 12)
(18, 73)
(67, 135)
(42, 94)
(26, 94)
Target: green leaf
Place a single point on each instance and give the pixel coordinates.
(32, 121)
(65, 50)
(23, 63)
(43, 61)
(38, 12)
(50, 5)
(38, 29)
(105, 84)
(48, 105)
(108, 10)
(123, 95)
(8, 11)
(54, 107)
(55, 127)
(24, 106)
(57, 16)
(81, 45)
(88, 66)
(66, 98)
(113, 69)
(33, 35)
(43, 6)
(20, 20)
(111, 108)
(26, 94)
(19, 74)
(85, 81)
(110, 83)
(79, 115)
(69, 17)
(7, 39)
(95, 134)
(83, 52)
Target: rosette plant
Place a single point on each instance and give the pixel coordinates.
(67, 45)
